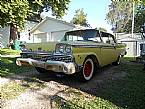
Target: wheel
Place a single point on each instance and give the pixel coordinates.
(117, 62)
(40, 70)
(88, 70)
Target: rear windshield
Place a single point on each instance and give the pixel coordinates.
(82, 35)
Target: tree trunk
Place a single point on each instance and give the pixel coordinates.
(13, 32)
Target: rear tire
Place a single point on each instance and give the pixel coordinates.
(88, 70)
(117, 62)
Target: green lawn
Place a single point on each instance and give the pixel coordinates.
(125, 93)
(129, 92)
(9, 67)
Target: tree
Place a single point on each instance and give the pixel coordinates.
(137, 1)
(80, 18)
(120, 12)
(15, 12)
(120, 15)
(139, 19)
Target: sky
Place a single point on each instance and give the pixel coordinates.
(96, 11)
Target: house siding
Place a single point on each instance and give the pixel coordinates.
(51, 25)
(52, 30)
(4, 35)
(24, 34)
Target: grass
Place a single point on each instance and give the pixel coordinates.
(129, 91)
(129, 58)
(125, 93)
(7, 51)
(13, 89)
(81, 100)
(8, 67)
(33, 83)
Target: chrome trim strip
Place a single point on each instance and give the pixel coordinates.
(86, 46)
(109, 47)
(94, 46)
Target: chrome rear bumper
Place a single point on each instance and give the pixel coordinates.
(56, 66)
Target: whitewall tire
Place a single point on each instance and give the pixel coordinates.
(88, 69)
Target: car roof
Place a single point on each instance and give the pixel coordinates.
(88, 30)
(82, 30)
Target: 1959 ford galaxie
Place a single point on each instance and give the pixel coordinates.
(81, 52)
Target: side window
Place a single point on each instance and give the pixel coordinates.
(96, 39)
(107, 38)
(111, 39)
(74, 38)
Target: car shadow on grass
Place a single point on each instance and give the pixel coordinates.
(123, 85)
(8, 67)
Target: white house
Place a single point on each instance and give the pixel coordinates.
(24, 34)
(4, 35)
(49, 29)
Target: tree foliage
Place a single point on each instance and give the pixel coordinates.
(80, 18)
(120, 15)
(137, 1)
(15, 12)
(120, 12)
(58, 7)
(139, 19)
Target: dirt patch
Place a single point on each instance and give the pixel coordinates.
(4, 81)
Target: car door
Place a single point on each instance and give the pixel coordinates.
(108, 48)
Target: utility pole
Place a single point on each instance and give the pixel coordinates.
(132, 19)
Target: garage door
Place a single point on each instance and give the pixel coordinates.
(57, 35)
(41, 37)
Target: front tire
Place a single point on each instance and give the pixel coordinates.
(40, 70)
(88, 70)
